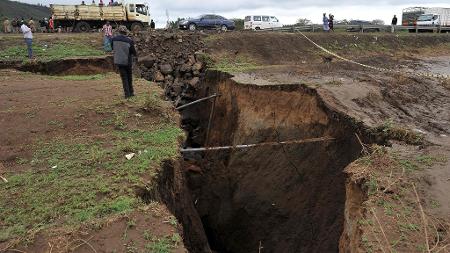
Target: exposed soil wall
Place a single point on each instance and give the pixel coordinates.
(285, 198)
(76, 66)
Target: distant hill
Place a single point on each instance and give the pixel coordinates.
(12, 9)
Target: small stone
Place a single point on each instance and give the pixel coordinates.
(159, 77)
(166, 69)
(194, 82)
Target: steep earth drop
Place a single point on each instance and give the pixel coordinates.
(285, 198)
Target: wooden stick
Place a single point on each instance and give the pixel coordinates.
(382, 230)
(424, 220)
(4, 179)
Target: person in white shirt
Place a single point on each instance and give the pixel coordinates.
(28, 36)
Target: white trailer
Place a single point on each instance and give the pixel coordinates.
(435, 17)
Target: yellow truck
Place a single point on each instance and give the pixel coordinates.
(83, 18)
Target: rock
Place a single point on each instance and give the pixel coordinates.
(166, 69)
(196, 73)
(185, 68)
(169, 78)
(158, 77)
(197, 66)
(194, 82)
(147, 61)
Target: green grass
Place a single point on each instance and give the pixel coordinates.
(79, 180)
(48, 52)
(164, 244)
(80, 77)
(238, 64)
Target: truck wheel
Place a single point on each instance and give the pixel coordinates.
(82, 27)
(224, 28)
(192, 27)
(136, 27)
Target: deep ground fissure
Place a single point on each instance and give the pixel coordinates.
(285, 198)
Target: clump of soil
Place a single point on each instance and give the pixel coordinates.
(174, 61)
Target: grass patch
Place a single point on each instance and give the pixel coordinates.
(44, 52)
(164, 244)
(388, 130)
(237, 64)
(79, 180)
(80, 77)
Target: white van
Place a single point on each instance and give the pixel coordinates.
(261, 22)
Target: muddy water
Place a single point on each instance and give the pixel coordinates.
(283, 199)
(436, 65)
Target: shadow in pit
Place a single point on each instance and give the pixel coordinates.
(75, 66)
(286, 198)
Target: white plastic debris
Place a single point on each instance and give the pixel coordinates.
(138, 115)
(130, 156)
(54, 167)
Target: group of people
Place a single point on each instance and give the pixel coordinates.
(328, 22)
(13, 26)
(100, 3)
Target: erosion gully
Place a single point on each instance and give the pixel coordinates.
(285, 198)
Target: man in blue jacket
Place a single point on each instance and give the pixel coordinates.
(124, 50)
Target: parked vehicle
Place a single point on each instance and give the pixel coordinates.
(410, 15)
(362, 25)
(435, 17)
(261, 22)
(82, 18)
(208, 21)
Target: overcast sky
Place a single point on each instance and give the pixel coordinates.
(288, 11)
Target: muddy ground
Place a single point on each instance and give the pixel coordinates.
(409, 111)
(47, 120)
(380, 185)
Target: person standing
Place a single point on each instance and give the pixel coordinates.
(28, 36)
(152, 25)
(393, 23)
(32, 25)
(107, 36)
(6, 26)
(14, 25)
(124, 50)
(326, 25)
(331, 22)
(51, 24)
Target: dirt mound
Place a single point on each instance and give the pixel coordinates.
(272, 48)
(173, 60)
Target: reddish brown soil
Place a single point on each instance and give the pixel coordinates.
(121, 234)
(34, 108)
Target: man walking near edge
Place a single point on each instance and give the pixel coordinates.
(394, 23)
(28, 36)
(326, 25)
(123, 48)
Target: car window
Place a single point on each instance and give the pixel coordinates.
(131, 7)
(248, 18)
(141, 9)
(265, 18)
(209, 17)
(220, 17)
(257, 18)
(274, 19)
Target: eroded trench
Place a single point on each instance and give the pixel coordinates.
(282, 198)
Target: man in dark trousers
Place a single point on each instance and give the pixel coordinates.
(393, 23)
(123, 48)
